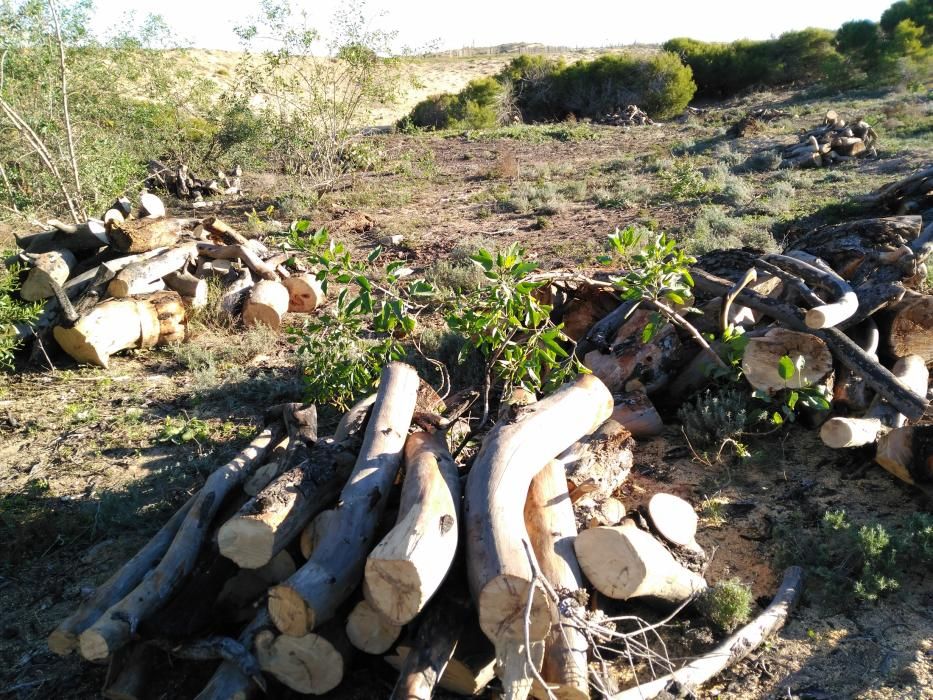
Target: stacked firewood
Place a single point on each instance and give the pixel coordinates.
(753, 121)
(630, 116)
(834, 141)
(181, 183)
(912, 195)
(130, 281)
(843, 303)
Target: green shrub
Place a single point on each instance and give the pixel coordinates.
(433, 112)
(715, 416)
(726, 604)
(12, 313)
(474, 107)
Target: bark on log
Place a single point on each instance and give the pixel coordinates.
(599, 463)
(313, 664)
(469, 671)
(47, 269)
(624, 562)
(192, 289)
(132, 681)
(355, 418)
(549, 520)
(271, 519)
(146, 276)
(311, 596)
(236, 292)
(244, 253)
(315, 532)
(64, 638)
(499, 572)
(408, 566)
(305, 293)
(694, 674)
(760, 362)
(369, 630)
(844, 302)
(79, 238)
(229, 681)
(228, 235)
(635, 412)
(602, 332)
(120, 324)
(907, 453)
(266, 304)
(142, 235)
(908, 328)
(115, 627)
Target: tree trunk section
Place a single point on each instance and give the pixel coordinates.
(369, 630)
(243, 253)
(599, 463)
(146, 276)
(267, 303)
(908, 454)
(637, 414)
(313, 664)
(48, 269)
(762, 356)
(470, 669)
(142, 235)
(909, 327)
(304, 293)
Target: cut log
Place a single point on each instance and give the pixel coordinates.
(248, 585)
(850, 393)
(141, 235)
(908, 454)
(48, 269)
(115, 627)
(637, 414)
(407, 567)
(761, 360)
(731, 651)
(552, 528)
(315, 531)
(264, 475)
(266, 304)
(674, 519)
(624, 562)
(78, 238)
(233, 681)
(271, 519)
(587, 307)
(233, 297)
(599, 463)
(244, 253)
(150, 206)
(193, 290)
(229, 235)
(469, 671)
(64, 638)
(120, 324)
(146, 276)
(354, 420)
(908, 328)
(305, 293)
(593, 513)
(516, 666)
(312, 664)
(369, 631)
(513, 452)
(311, 596)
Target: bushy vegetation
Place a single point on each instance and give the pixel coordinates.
(477, 106)
(726, 604)
(12, 313)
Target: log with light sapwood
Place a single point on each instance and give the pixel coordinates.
(516, 666)
(691, 676)
(439, 630)
(314, 532)
(266, 304)
(841, 432)
(470, 669)
(624, 562)
(552, 528)
(311, 596)
(78, 238)
(599, 463)
(141, 235)
(264, 475)
(369, 630)
(499, 572)
(150, 206)
(847, 352)
(761, 360)
(850, 393)
(843, 301)
(133, 678)
(637, 414)
(116, 626)
(674, 519)
(407, 567)
(64, 638)
(193, 289)
(593, 513)
(243, 253)
(907, 453)
(47, 269)
(145, 276)
(355, 418)
(230, 236)
(235, 293)
(248, 585)
(907, 195)
(907, 327)
(305, 293)
(121, 324)
(277, 514)
(312, 664)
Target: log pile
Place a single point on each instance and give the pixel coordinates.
(912, 195)
(834, 141)
(132, 279)
(753, 122)
(630, 116)
(181, 183)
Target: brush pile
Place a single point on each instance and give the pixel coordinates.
(834, 141)
(131, 281)
(753, 122)
(182, 184)
(630, 116)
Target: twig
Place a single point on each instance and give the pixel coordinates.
(750, 276)
(66, 112)
(679, 320)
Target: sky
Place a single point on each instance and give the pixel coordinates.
(450, 25)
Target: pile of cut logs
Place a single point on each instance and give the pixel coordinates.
(911, 195)
(630, 116)
(832, 142)
(181, 183)
(129, 281)
(754, 120)
(303, 549)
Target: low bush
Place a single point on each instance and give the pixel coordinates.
(474, 107)
(726, 604)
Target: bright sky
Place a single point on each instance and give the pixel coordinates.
(490, 22)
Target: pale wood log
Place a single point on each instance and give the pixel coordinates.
(516, 665)
(64, 638)
(848, 145)
(315, 531)
(192, 289)
(813, 271)
(369, 630)
(262, 476)
(78, 238)
(120, 324)
(850, 393)
(907, 453)
(355, 418)
(141, 235)
(47, 269)
(635, 411)
(599, 463)
(470, 669)
(407, 567)
(552, 528)
(312, 595)
(762, 355)
(674, 519)
(150, 206)
(132, 682)
(313, 664)
(840, 432)
(275, 515)
(113, 215)
(266, 304)
(600, 335)
(513, 452)
(591, 512)
(236, 292)
(697, 672)
(908, 328)
(305, 293)
(146, 276)
(115, 627)
(624, 562)
(243, 253)
(229, 235)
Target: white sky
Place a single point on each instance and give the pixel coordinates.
(490, 22)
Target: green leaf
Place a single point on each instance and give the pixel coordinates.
(376, 252)
(786, 368)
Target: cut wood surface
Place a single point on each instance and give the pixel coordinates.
(146, 276)
(674, 519)
(369, 630)
(115, 627)
(151, 206)
(761, 360)
(312, 595)
(48, 269)
(315, 531)
(599, 463)
(470, 669)
(193, 289)
(266, 304)
(141, 235)
(512, 453)
(743, 642)
(551, 526)
(625, 562)
(312, 664)
(909, 328)
(305, 293)
(407, 567)
(244, 253)
(635, 411)
(907, 453)
(121, 324)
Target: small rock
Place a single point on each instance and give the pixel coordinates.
(392, 240)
